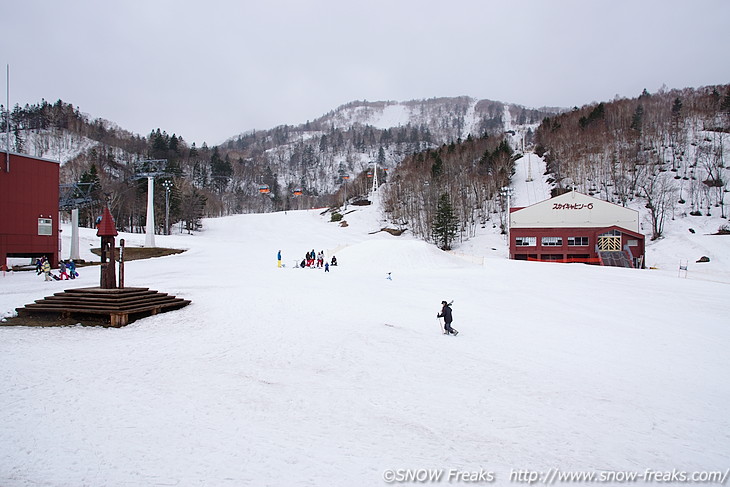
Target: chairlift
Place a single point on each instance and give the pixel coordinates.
(297, 191)
(264, 188)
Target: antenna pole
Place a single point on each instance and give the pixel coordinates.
(7, 119)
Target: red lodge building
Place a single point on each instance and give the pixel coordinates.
(28, 208)
(574, 227)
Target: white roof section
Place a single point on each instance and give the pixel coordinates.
(575, 210)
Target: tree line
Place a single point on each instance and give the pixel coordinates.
(319, 163)
(445, 194)
(666, 148)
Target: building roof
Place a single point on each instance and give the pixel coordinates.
(18, 154)
(106, 227)
(575, 210)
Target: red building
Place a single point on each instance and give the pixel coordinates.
(574, 227)
(28, 208)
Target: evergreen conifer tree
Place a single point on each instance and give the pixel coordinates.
(638, 119)
(220, 170)
(381, 157)
(445, 224)
(437, 168)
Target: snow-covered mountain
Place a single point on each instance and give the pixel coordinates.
(447, 119)
(312, 156)
(355, 136)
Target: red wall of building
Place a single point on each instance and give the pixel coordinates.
(564, 251)
(28, 191)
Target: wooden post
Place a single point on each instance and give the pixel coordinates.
(108, 277)
(107, 231)
(121, 264)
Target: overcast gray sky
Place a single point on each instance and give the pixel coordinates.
(209, 70)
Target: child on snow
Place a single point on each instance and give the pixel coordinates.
(62, 271)
(47, 269)
(71, 267)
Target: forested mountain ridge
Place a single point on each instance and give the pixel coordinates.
(665, 150)
(668, 149)
(301, 166)
(663, 153)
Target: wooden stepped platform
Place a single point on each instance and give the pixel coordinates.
(109, 307)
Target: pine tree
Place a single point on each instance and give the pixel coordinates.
(437, 168)
(676, 109)
(158, 149)
(220, 170)
(445, 224)
(94, 190)
(92, 177)
(638, 119)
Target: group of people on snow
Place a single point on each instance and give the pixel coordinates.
(66, 269)
(315, 260)
(312, 259)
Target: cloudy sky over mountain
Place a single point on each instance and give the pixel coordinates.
(208, 71)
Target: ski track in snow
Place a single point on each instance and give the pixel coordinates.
(290, 376)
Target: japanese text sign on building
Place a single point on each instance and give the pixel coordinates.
(572, 206)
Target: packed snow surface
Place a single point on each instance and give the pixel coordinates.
(289, 376)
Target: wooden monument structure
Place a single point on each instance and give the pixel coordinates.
(106, 305)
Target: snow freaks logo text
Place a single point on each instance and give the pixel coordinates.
(554, 476)
(434, 475)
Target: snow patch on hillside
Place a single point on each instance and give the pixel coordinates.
(391, 116)
(61, 146)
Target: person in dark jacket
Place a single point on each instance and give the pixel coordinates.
(446, 315)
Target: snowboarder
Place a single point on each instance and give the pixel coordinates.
(278, 258)
(446, 315)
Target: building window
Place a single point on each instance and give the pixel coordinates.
(45, 226)
(551, 257)
(633, 243)
(552, 242)
(609, 241)
(525, 241)
(525, 256)
(578, 241)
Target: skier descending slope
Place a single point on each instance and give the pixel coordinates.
(446, 315)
